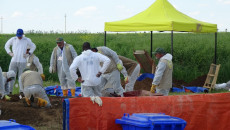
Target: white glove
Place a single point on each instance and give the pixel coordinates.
(98, 101)
(92, 98)
(50, 69)
(11, 54)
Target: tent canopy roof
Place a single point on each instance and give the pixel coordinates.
(160, 16)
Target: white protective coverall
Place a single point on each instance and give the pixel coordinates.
(18, 53)
(33, 63)
(131, 69)
(163, 75)
(4, 85)
(64, 76)
(113, 77)
(89, 65)
(32, 84)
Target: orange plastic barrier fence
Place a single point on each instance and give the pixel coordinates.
(201, 111)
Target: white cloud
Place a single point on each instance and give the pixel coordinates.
(87, 11)
(16, 14)
(202, 5)
(224, 1)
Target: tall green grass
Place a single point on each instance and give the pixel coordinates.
(192, 56)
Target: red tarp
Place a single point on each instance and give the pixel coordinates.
(201, 111)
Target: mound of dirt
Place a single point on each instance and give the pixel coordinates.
(147, 83)
(38, 118)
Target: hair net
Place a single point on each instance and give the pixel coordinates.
(11, 74)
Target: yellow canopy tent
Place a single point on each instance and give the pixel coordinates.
(160, 16)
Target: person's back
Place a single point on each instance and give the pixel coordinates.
(29, 78)
(89, 66)
(31, 84)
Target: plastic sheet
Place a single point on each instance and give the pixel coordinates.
(57, 91)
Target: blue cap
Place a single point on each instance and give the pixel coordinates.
(19, 33)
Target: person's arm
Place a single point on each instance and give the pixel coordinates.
(32, 46)
(159, 73)
(7, 45)
(21, 84)
(38, 65)
(73, 52)
(108, 52)
(2, 88)
(123, 71)
(51, 62)
(73, 68)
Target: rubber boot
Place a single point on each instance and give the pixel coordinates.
(65, 93)
(39, 102)
(26, 102)
(72, 92)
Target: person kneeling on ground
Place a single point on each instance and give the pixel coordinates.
(32, 85)
(5, 78)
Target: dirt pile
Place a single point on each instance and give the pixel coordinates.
(38, 118)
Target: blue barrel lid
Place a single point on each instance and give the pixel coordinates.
(12, 125)
(149, 119)
(151, 115)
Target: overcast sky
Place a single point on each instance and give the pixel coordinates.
(90, 15)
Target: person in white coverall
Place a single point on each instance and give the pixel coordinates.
(131, 71)
(89, 65)
(112, 73)
(19, 45)
(5, 78)
(32, 85)
(33, 63)
(60, 61)
(162, 81)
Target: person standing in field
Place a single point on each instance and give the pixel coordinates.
(88, 64)
(32, 86)
(162, 81)
(130, 71)
(19, 45)
(32, 62)
(61, 59)
(112, 73)
(5, 78)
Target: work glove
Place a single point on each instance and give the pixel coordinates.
(7, 97)
(11, 54)
(126, 80)
(43, 77)
(96, 99)
(119, 67)
(153, 88)
(50, 69)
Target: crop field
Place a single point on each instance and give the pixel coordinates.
(192, 56)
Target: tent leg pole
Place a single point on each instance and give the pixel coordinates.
(105, 39)
(215, 47)
(151, 48)
(172, 43)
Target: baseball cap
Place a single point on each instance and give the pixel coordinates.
(60, 39)
(19, 33)
(159, 50)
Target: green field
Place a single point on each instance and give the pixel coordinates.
(193, 53)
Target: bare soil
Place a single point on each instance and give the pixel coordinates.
(38, 118)
(52, 118)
